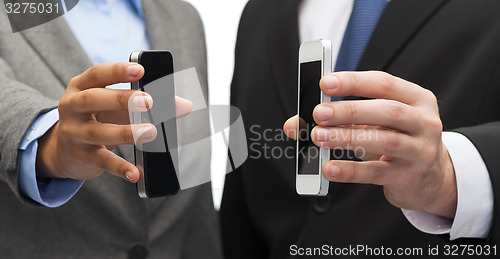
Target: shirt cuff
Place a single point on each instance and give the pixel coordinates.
(52, 192)
(473, 218)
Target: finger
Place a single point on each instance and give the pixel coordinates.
(114, 164)
(97, 99)
(362, 154)
(96, 133)
(354, 126)
(102, 75)
(102, 99)
(378, 112)
(182, 106)
(369, 172)
(114, 117)
(375, 84)
(372, 141)
(290, 127)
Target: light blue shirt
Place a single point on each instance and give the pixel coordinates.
(108, 31)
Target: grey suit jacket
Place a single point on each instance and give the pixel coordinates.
(106, 218)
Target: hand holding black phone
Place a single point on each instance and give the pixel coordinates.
(157, 164)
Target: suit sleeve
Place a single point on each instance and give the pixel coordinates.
(486, 138)
(19, 107)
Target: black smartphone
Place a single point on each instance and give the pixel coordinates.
(155, 161)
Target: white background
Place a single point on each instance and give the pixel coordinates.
(221, 19)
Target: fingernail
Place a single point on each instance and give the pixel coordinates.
(134, 69)
(142, 101)
(322, 112)
(330, 82)
(334, 170)
(322, 134)
(129, 175)
(144, 134)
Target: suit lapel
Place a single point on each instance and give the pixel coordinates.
(284, 46)
(399, 23)
(159, 25)
(55, 43)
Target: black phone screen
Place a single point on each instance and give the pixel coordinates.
(159, 164)
(308, 154)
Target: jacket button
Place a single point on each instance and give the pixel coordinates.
(138, 251)
(322, 204)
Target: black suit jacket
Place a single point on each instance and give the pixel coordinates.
(451, 47)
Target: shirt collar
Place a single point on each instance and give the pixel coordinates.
(137, 4)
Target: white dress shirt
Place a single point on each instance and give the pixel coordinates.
(327, 19)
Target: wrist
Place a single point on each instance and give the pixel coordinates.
(446, 200)
(47, 163)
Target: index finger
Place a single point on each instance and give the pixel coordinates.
(374, 84)
(102, 75)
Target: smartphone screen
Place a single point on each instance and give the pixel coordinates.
(308, 155)
(159, 164)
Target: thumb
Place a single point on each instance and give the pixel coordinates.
(182, 106)
(290, 126)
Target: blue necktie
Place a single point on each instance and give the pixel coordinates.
(364, 17)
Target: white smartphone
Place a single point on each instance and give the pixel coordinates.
(315, 60)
